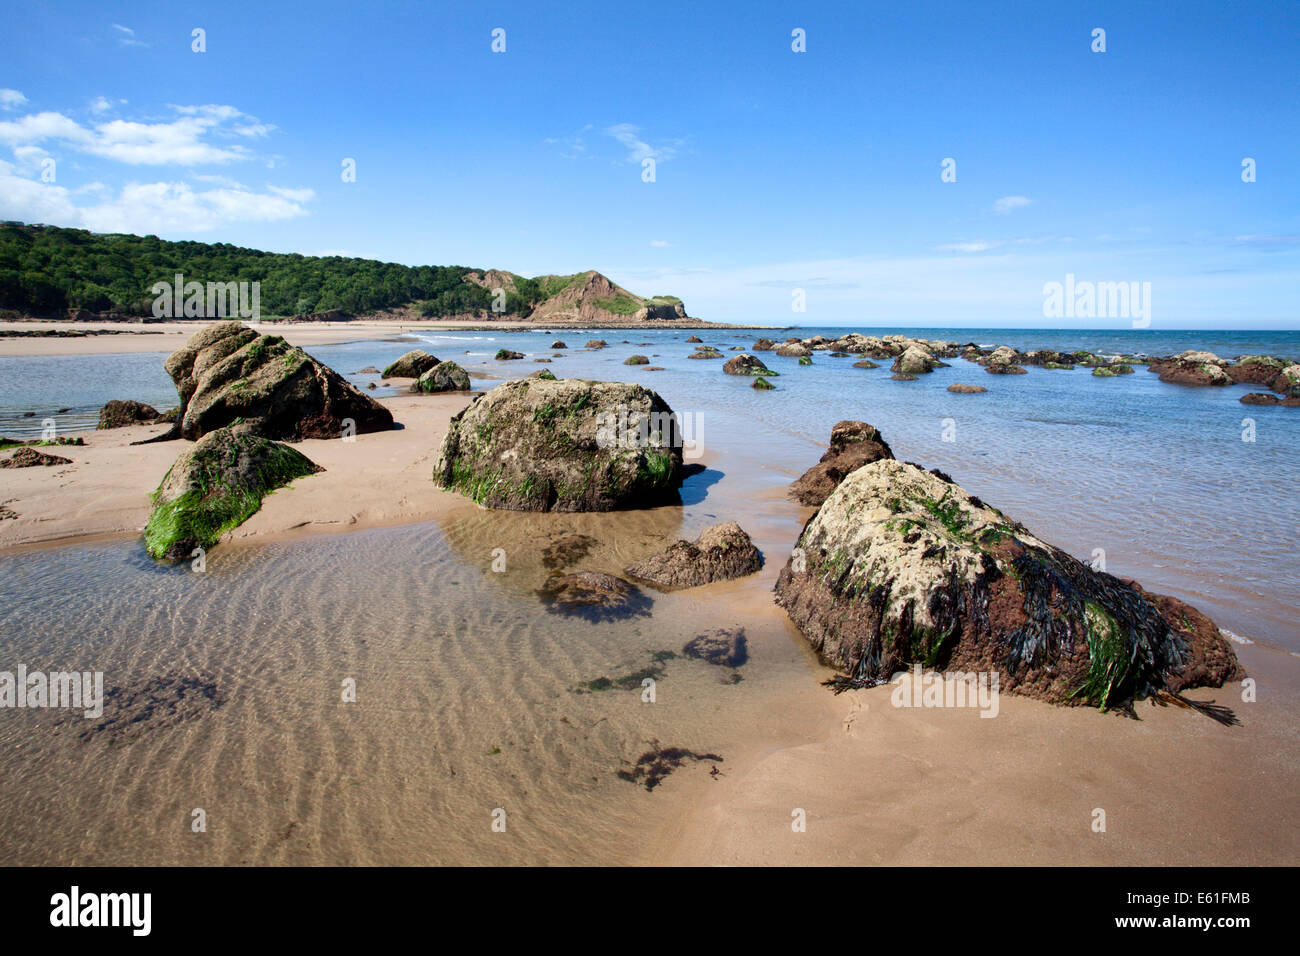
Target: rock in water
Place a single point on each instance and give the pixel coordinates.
(914, 361)
(411, 365)
(720, 553)
(216, 486)
(746, 365)
(960, 389)
(725, 647)
(119, 414)
(636, 360)
(228, 374)
(900, 567)
(593, 595)
(853, 444)
(567, 445)
(443, 377)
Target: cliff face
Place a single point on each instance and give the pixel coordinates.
(585, 298)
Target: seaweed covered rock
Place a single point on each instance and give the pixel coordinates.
(1112, 370)
(1191, 368)
(119, 414)
(411, 365)
(865, 363)
(720, 553)
(228, 374)
(565, 445)
(216, 486)
(763, 345)
(443, 377)
(636, 360)
(853, 444)
(900, 566)
(915, 361)
(28, 457)
(1255, 370)
(507, 355)
(746, 364)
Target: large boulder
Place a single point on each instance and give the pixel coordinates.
(119, 414)
(566, 445)
(443, 377)
(720, 553)
(1255, 370)
(215, 486)
(228, 374)
(1185, 372)
(902, 567)
(411, 365)
(746, 364)
(794, 349)
(853, 444)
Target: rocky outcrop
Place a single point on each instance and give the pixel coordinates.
(720, 553)
(119, 414)
(915, 361)
(705, 354)
(443, 377)
(745, 364)
(1004, 368)
(566, 445)
(853, 444)
(764, 345)
(793, 350)
(1113, 369)
(1255, 370)
(216, 486)
(228, 374)
(411, 365)
(1192, 368)
(865, 363)
(902, 567)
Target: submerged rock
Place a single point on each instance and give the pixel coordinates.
(596, 344)
(443, 377)
(720, 553)
(566, 445)
(762, 384)
(745, 364)
(593, 595)
(228, 374)
(865, 363)
(216, 486)
(119, 414)
(1112, 370)
(411, 365)
(899, 566)
(705, 354)
(960, 389)
(506, 355)
(636, 360)
(723, 647)
(1002, 368)
(853, 444)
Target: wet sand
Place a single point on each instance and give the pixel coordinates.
(469, 703)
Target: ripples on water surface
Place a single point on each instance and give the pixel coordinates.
(465, 685)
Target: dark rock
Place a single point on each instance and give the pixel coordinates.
(720, 553)
(227, 373)
(966, 389)
(557, 344)
(763, 345)
(1002, 368)
(28, 457)
(853, 444)
(746, 364)
(865, 363)
(506, 355)
(596, 344)
(119, 414)
(593, 595)
(443, 377)
(636, 360)
(411, 365)
(900, 567)
(723, 647)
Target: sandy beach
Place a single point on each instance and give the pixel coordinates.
(875, 783)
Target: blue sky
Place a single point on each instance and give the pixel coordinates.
(775, 170)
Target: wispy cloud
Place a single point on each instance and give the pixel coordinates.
(638, 150)
(660, 243)
(11, 99)
(1009, 203)
(126, 36)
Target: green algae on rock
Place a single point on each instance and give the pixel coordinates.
(411, 365)
(565, 445)
(215, 486)
(443, 377)
(900, 567)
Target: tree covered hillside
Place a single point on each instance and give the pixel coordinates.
(45, 270)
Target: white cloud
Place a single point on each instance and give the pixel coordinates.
(973, 245)
(1007, 203)
(638, 149)
(660, 243)
(143, 208)
(9, 99)
(183, 141)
